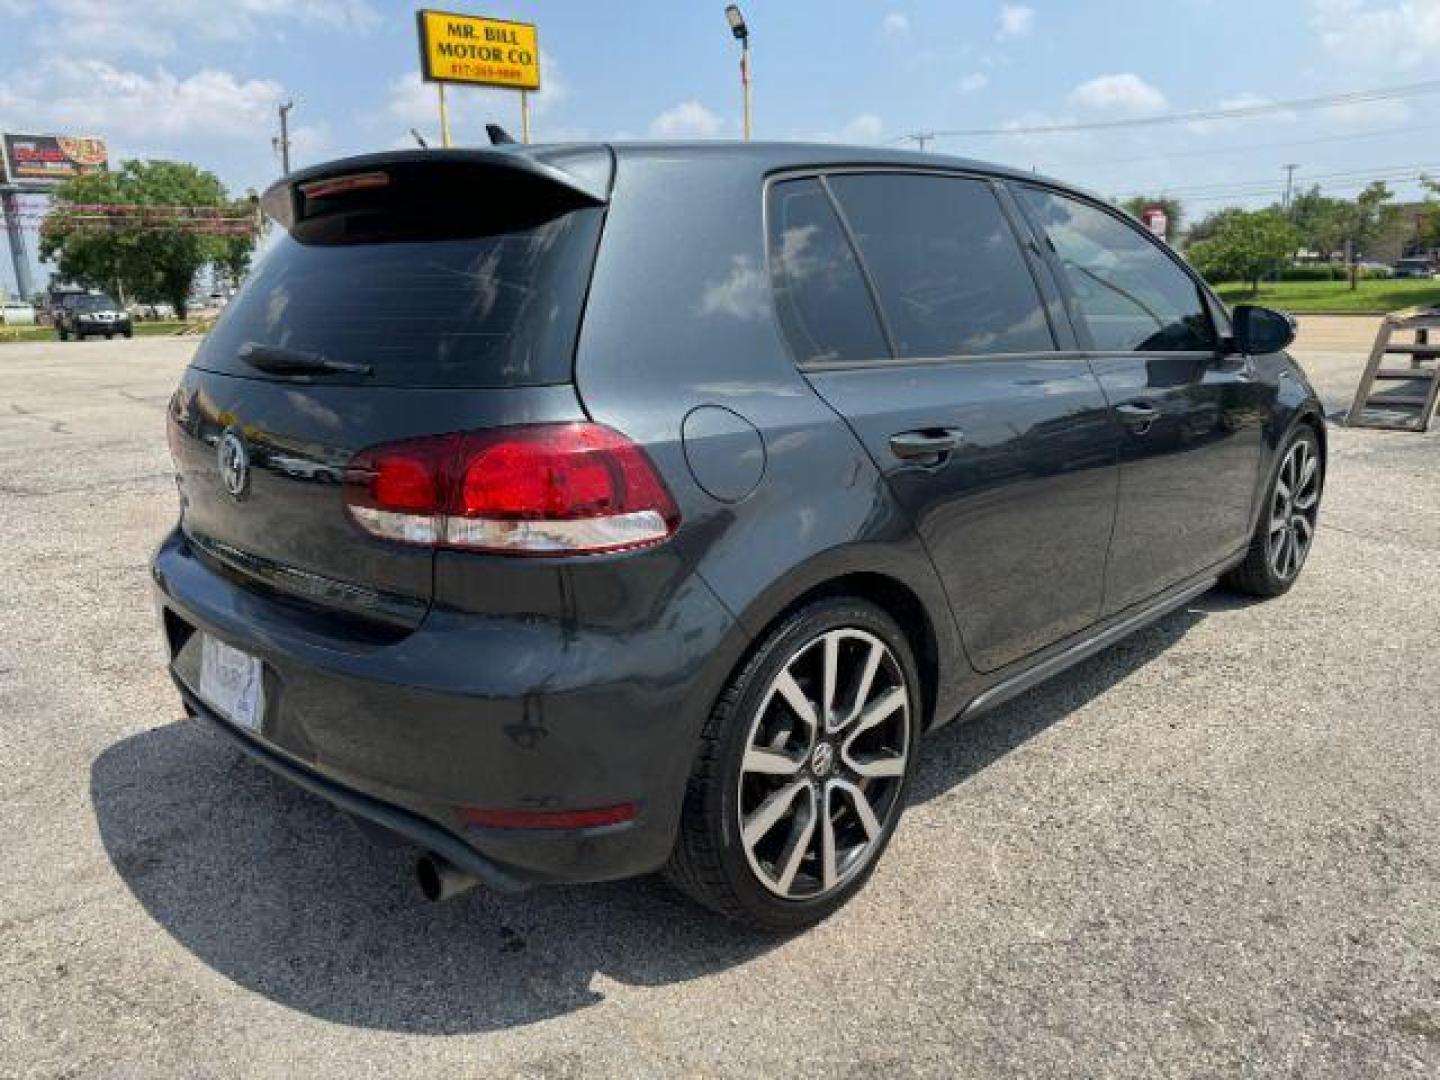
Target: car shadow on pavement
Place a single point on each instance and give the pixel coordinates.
(961, 750)
(271, 887)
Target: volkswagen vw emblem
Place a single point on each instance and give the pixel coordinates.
(234, 464)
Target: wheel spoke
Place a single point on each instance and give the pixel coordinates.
(767, 762)
(867, 680)
(758, 825)
(828, 871)
(1282, 490)
(801, 705)
(831, 648)
(878, 766)
(801, 834)
(863, 810)
(1277, 523)
(880, 709)
(1277, 553)
(1303, 533)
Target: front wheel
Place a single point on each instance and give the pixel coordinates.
(803, 769)
(1286, 529)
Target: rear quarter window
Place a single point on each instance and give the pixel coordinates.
(823, 304)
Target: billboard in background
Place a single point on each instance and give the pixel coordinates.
(474, 49)
(44, 160)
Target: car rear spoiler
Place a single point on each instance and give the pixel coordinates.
(585, 172)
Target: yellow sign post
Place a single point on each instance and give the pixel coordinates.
(482, 52)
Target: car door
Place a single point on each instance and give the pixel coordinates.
(1192, 416)
(918, 316)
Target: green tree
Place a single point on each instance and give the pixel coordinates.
(1174, 210)
(1209, 225)
(1319, 219)
(1244, 246)
(1365, 221)
(1427, 230)
(150, 254)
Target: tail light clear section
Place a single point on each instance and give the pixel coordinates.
(540, 489)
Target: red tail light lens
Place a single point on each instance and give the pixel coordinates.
(543, 489)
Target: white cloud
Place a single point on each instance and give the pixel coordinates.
(1399, 34)
(973, 82)
(863, 129)
(895, 24)
(96, 97)
(688, 120)
(1125, 92)
(1016, 20)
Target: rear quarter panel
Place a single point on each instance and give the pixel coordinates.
(680, 317)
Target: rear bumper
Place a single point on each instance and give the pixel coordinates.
(470, 712)
(392, 818)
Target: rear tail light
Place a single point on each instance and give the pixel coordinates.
(542, 489)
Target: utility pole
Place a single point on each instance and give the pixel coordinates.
(283, 142)
(1289, 183)
(921, 138)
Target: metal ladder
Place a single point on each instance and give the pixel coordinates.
(1407, 396)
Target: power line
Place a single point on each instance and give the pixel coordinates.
(1242, 148)
(1354, 97)
(1397, 173)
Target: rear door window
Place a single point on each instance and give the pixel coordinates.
(499, 304)
(824, 306)
(1131, 295)
(949, 271)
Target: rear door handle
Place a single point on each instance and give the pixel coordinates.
(926, 443)
(1138, 415)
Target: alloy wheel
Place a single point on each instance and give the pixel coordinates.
(1293, 510)
(824, 764)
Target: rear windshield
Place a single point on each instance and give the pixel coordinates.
(499, 307)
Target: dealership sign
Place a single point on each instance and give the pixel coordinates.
(45, 160)
(477, 50)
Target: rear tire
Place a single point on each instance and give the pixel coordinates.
(1286, 530)
(821, 719)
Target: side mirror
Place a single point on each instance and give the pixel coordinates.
(1261, 330)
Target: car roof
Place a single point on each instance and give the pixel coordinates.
(566, 162)
(777, 156)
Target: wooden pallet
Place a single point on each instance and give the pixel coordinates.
(1400, 398)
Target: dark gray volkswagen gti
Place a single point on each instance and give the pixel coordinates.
(581, 511)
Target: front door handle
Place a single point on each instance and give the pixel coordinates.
(1138, 415)
(926, 443)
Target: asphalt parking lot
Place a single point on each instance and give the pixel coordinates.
(1211, 850)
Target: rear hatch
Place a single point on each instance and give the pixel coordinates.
(399, 295)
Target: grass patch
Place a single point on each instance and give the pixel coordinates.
(10, 334)
(1301, 296)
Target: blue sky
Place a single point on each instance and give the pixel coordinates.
(200, 80)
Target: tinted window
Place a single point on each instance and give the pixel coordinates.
(951, 277)
(1130, 293)
(496, 309)
(824, 307)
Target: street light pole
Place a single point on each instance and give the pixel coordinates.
(284, 141)
(742, 35)
(1289, 184)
